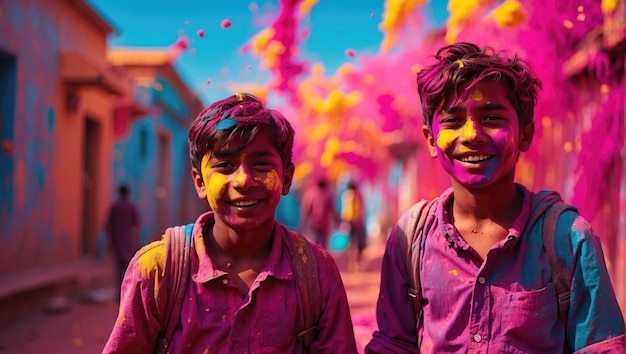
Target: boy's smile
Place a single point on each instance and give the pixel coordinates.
(244, 186)
(477, 138)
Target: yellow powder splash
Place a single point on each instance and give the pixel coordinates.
(476, 95)
(468, 132)
(445, 138)
(271, 181)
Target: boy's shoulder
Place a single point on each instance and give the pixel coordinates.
(150, 259)
(302, 248)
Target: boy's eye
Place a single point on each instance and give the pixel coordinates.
(450, 120)
(222, 164)
(263, 163)
(492, 118)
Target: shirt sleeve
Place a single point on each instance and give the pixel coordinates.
(595, 321)
(136, 327)
(336, 333)
(397, 325)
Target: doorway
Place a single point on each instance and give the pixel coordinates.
(90, 184)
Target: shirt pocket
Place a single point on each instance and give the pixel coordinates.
(527, 321)
(279, 324)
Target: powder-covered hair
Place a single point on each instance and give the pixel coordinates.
(462, 65)
(241, 115)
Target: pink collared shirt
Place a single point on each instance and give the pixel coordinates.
(215, 319)
(506, 304)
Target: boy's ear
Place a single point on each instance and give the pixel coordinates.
(288, 178)
(430, 141)
(198, 183)
(526, 136)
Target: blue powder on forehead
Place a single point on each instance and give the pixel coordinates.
(225, 124)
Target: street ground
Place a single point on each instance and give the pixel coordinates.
(81, 324)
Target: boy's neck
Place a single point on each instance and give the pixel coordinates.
(245, 244)
(485, 203)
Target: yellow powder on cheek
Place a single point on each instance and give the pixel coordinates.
(445, 138)
(468, 132)
(476, 95)
(215, 188)
(271, 180)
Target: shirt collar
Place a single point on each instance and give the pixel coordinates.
(454, 238)
(203, 269)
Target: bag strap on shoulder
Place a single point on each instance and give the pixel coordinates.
(306, 274)
(561, 277)
(411, 240)
(175, 279)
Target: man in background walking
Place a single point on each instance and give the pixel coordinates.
(122, 230)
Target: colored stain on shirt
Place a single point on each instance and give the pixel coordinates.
(153, 262)
(271, 180)
(445, 138)
(454, 272)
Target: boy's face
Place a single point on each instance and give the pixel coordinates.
(244, 187)
(477, 138)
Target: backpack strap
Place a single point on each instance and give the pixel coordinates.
(561, 276)
(411, 240)
(306, 274)
(175, 279)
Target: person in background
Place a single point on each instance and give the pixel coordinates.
(242, 293)
(318, 212)
(122, 229)
(486, 280)
(353, 220)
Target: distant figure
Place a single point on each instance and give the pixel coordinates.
(122, 226)
(318, 212)
(353, 218)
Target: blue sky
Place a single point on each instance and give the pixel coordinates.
(335, 25)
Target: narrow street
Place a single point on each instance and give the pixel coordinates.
(85, 325)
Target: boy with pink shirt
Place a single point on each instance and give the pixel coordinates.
(486, 281)
(242, 295)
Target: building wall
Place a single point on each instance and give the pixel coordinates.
(41, 168)
(153, 160)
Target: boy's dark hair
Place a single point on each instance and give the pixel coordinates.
(462, 65)
(240, 115)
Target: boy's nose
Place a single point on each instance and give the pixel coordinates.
(243, 177)
(471, 131)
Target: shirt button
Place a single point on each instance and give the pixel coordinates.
(477, 338)
(482, 281)
(225, 281)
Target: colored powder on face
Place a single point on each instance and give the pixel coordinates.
(476, 95)
(225, 124)
(468, 132)
(216, 187)
(271, 181)
(445, 138)
(214, 183)
(241, 178)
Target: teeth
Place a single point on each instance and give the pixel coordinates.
(474, 158)
(244, 203)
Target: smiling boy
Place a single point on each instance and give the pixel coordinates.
(485, 279)
(243, 295)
